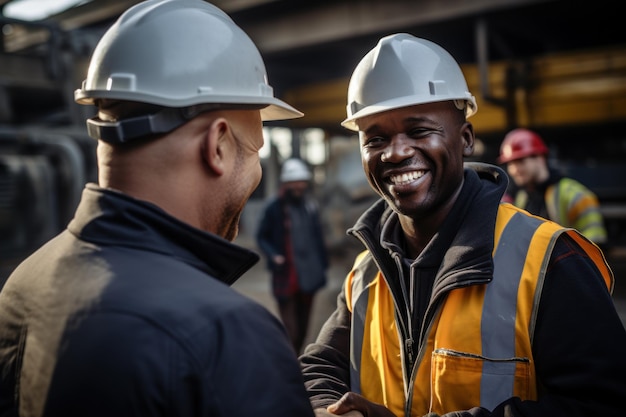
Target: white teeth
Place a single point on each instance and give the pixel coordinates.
(406, 177)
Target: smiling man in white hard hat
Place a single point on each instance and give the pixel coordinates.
(458, 305)
(129, 312)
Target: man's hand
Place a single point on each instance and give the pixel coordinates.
(322, 412)
(354, 405)
(278, 259)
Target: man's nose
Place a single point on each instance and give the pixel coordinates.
(398, 149)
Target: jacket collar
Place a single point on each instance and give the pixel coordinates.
(464, 245)
(109, 218)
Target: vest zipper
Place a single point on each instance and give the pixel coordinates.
(407, 334)
(408, 345)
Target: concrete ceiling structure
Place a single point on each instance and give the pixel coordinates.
(311, 42)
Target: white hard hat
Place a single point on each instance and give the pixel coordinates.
(294, 169)
(402, 71)
(179, 54)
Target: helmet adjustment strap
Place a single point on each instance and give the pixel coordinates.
(163, 121)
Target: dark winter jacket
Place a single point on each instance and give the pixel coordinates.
(310, 256)
(578, 338)
(129, 312)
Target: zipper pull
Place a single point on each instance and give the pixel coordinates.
(408, 344)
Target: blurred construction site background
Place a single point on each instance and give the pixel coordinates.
(556, 66)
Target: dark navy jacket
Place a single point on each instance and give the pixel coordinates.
(129, 312)
(311, 263)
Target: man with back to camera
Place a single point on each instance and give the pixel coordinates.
(128, 312)
(544, 192)
(459, 305)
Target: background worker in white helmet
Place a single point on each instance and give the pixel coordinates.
(543, 191)
(459, 305)
(128, 312)
(291, 237)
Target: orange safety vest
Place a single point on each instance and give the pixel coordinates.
(478, 349)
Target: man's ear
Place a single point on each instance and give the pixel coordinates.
(214, 145)
(467, 133)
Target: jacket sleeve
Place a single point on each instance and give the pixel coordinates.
(579, 344)
(267, 235)
(326, 362)
(260, 380)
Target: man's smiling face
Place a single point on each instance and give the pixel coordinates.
(413, 156)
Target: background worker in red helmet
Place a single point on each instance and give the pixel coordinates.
(544, 192)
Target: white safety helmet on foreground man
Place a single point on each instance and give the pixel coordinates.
(187, 56)
(403, 71)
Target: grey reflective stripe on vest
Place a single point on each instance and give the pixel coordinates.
(499, 309)
(552, 199)
(364, 273)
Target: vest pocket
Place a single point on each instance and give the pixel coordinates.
(462, 380)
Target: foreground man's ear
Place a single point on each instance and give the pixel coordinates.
(215, 143)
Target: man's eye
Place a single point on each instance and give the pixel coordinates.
(417, 133)
(374, 141)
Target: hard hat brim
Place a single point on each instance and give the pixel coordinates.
(276, 109)
(279, 110)
(409, 101)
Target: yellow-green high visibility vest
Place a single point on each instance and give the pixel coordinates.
(571, 204)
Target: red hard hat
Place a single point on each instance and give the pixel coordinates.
(520, 143)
